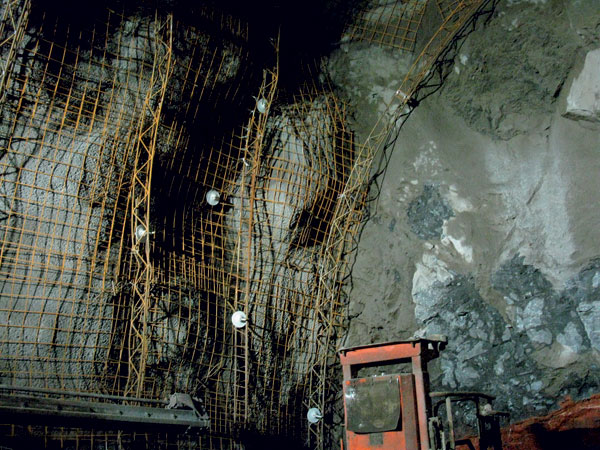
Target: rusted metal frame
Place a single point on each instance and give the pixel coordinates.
(416, 351)
(446, 6)
(408, 22)
(446, 398)
(381, 353)
(385, 33)
(318, 373)
(239, 413)
(418, 371)
(14, 23)
(51, 410)
(145, 142)
(329, 272)
(397, 28)
(446, 32)
(344, 230)
(409, 404)
(253, 147)
(411, 82)
(270, 80)
(450, 419)
(343, 234)
(424, 86)
(412, 41)
(297, 111)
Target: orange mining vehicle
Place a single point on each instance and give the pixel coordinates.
(394, 408)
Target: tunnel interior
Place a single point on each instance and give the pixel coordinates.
(206, 198)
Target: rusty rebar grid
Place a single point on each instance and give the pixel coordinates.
(13, 24)
(252, 149)
(446, 7)
(390, 24)
(141, 234)
(67, 157)
(348, 214)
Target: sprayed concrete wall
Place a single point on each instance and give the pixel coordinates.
(486, 229)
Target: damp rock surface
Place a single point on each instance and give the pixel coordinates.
(482, 346)
(499, 89)
(485, 229)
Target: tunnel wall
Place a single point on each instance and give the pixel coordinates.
(486, 226)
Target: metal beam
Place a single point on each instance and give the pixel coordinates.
(28, 408)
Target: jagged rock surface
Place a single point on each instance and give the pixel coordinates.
(485, 229)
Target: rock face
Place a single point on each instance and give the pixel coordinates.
(583, 101)
(574, 425)
(67, 151)
(486, 226)
(61, 172)
(278, 254)
(427, 213)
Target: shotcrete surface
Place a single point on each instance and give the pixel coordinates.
(486, 228)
